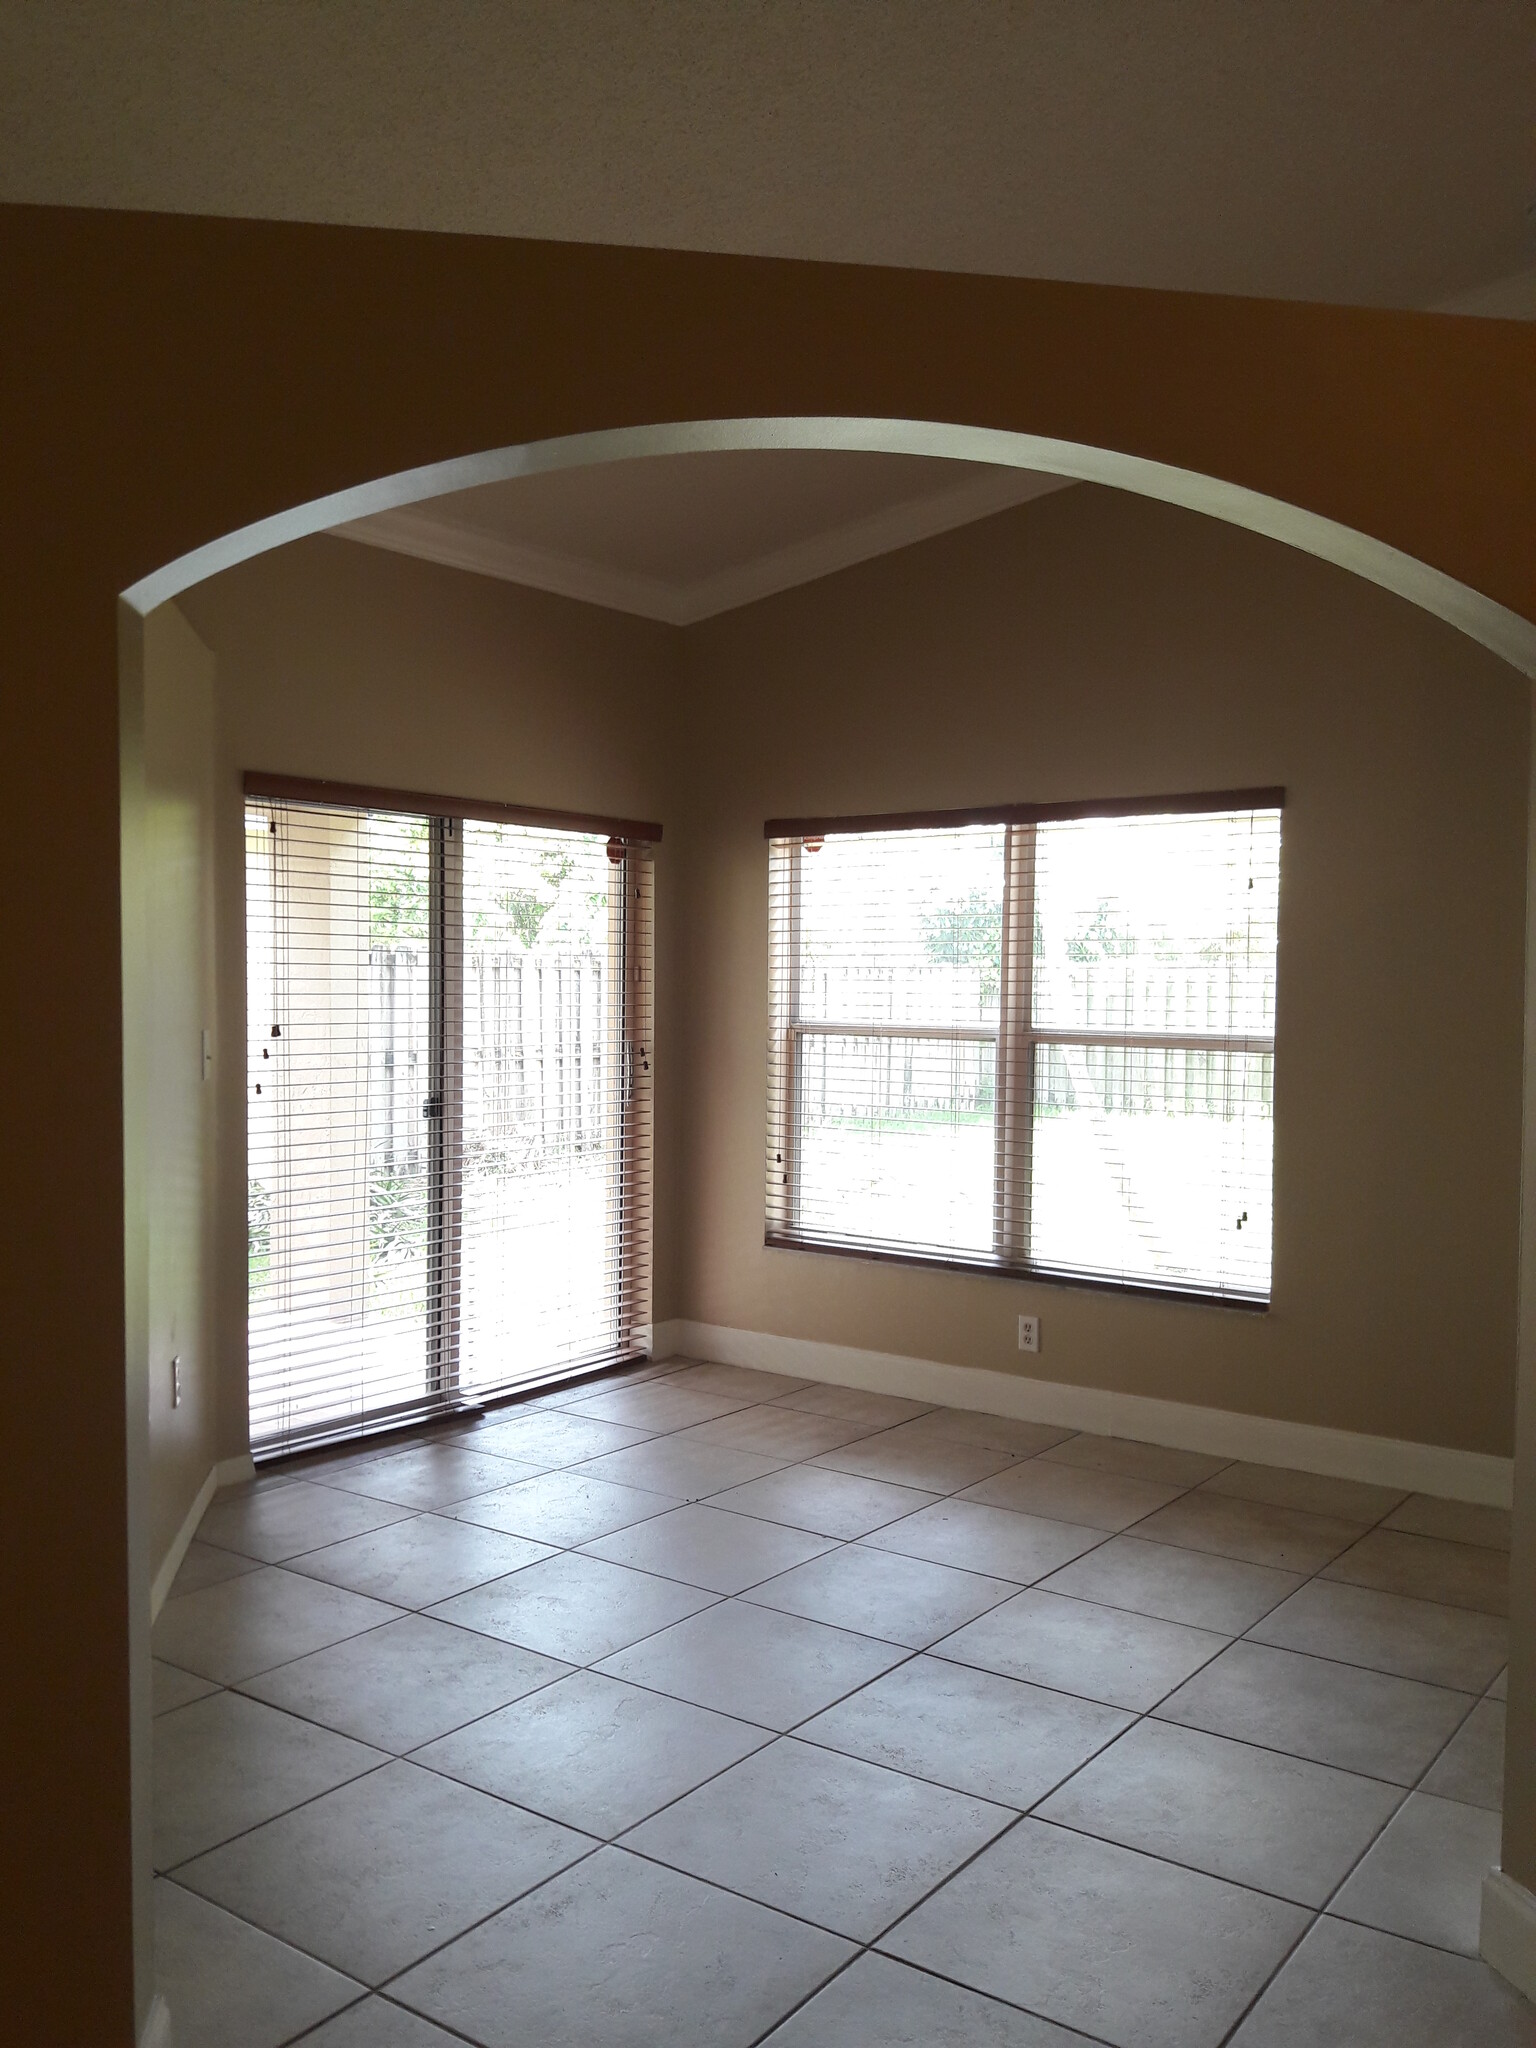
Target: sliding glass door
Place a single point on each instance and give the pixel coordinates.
(448, 1107)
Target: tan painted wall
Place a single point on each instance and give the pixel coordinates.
(343, 661)
(180, 1137)
(1095, 644)
(167, 380)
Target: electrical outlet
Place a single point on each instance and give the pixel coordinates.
(1029, 1333)
(175, 1382)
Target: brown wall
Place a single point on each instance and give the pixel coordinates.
(180, 1140)
(1096, 644)
(342, 661)
(163, 382)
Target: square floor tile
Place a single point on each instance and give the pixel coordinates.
(990, 1432)
(575, 1608)
(229, 1984)
(1366, 1721)
(771, 1668)
(205, 1565)
(876, 1593)
(1427, 1568)
(1415, 1638)
(401, 1685)
(562, 1508)
(748, 1381)
(1099, 1653)
(1072, 1493)
(376, 2023)
(1349, 1500)
(1165, 1467)
(827, 1837)
(1176, 1585)
(1289, 1539)
(414, 1563)
(553, 1437)
(662, 1404)
(374, 1876)
(280, 1523)
(241, 1626)
(1424, 1878)
(682, 1468)
(564, 1392)
(225, 1764)
(878, 2001)
(826, 1503)
(431, 1476)
(1278, 1823)
(971, 1730)
(774, 1432)
(628, 1954)
(879, 1411)
(1471, 1767)
(1128, 1949)
(267, 1478)
(1356, 1988)
(704, 1547)
(999, 1542)
(592, 1753)
(1453, 1521)
(175, 1688)
(927, 1462)
(362, 1446)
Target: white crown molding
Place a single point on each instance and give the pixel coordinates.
(1221, 1432)
(408, 532)
(411, 531)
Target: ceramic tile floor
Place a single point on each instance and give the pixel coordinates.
(697, 1707)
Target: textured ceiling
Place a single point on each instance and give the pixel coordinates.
(1373, 151)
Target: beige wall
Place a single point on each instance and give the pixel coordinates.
(1093, 643)
(180, 1147)
(343, 661)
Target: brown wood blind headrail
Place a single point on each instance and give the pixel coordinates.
(1030, 814)
(360, 796)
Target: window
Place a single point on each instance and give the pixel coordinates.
(448, 1103)
(1035, 1040)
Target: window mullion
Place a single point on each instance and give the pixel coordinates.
(1015, 1050)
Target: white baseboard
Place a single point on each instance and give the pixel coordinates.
(228, 1472)
(1221, 1432)
(157, 2027)
(1508, 1934)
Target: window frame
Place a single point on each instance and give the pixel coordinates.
(1016, 1036)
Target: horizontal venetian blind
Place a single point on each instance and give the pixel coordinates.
(1035, 1042)
(448, 1110)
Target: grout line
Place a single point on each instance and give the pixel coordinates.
(1319, 1913)
(367, 1452)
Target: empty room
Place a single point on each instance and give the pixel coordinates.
(772, 983)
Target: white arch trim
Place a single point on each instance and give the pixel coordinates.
(1505, 632)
